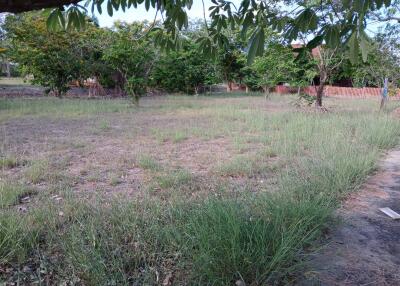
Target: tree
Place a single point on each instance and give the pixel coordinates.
(5, 46)
(277, 65)
(230, 63)
(327, 62)
(250, 78)
(186, 70)
(131, 54)
(53, 59)
(383, 63)
(305, 73)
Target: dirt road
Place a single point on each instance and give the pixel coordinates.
(365, 248)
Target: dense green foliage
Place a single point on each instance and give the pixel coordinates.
(186, 70)
(53, 59)
(130, 53)
(277, 65)
(335, 23)
(129, 58)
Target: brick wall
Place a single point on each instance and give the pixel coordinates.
(337, 91)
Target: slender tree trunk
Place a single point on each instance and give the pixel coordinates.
(135, 100)
(8, 71)
(323, 77)
(320, 93)
(266, 91)
(247, 89)
(229, 86)
(57, 93)
(298, 91)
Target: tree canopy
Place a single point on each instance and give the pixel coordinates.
(333, 22)
(140, 57)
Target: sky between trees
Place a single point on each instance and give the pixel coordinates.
(140, 13)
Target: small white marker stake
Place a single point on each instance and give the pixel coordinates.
(390, 212)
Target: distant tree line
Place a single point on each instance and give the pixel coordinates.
(128, 57)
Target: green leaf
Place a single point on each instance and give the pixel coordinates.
(99, 9)
(109, 8)
(306, 20)
(332, 37)
(379, 3)
(387, 3)
(353, 47)
(115, 4)
(364, 45)
(256, 45)
(315, 42)
(55, 21)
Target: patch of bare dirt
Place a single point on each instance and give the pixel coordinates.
(105, 161)
(365, 249)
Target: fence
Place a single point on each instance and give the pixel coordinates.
(337, 91)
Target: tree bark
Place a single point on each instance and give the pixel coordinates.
(229, 86)
(323, 77)
(266, 91)
(320, 93)
(8, 70)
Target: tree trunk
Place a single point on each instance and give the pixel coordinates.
(135, 100)
(320, 93)
(323, 77)
(8, 71)
(266, 91)
(247, 89)
(229, 86)
(298, 91)
(57, 93)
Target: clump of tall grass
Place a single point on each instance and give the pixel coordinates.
(10, 193)
(10, 162)
(216, 241)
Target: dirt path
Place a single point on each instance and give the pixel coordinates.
(365, 249)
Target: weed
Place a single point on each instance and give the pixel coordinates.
(11, 193)
(174, 179)
(104, 125)
(115, 180)
(9, 162)
(179, 136)
(242, 165)
(37, 171)
(148, 163)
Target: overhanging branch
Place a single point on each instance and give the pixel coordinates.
(17, 6)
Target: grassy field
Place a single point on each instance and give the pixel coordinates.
(17, 81)
(182, 190)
